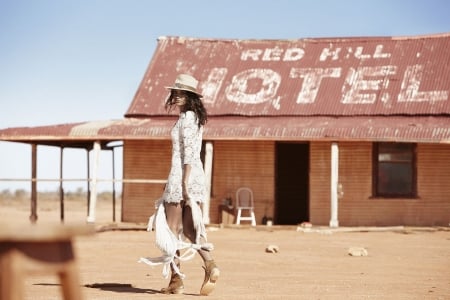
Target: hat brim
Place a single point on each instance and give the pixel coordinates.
(183, 89)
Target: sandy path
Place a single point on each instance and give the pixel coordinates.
(410, 263)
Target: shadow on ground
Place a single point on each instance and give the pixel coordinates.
(120, 288)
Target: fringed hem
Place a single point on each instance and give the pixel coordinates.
(169, 244)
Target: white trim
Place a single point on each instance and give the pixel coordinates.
(334, 222)
(93, 199)
(208, 173)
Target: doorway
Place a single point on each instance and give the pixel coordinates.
(291, 183)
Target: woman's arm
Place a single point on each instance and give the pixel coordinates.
(186, 173)
(189, 130)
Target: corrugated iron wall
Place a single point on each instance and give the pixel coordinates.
(433, 207)
(243, 163)
(143, 159)
(319, 177)
(355, 176)
(252, 164)
(236, 164)
(358, 208)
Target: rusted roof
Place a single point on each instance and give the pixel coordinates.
(393, 128)
(374, 89)
(304, 77)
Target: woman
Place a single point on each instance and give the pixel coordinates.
(185, 188)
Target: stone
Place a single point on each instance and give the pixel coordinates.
(272, 249)
(357, 251)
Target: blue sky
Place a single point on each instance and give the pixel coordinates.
(68, 61)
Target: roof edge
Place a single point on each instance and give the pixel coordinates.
(310, 39)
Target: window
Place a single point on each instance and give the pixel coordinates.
(394, 170)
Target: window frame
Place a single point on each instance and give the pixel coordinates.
(375, 168)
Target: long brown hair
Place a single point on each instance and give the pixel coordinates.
(193, 103)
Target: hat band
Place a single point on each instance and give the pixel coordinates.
(186, 87)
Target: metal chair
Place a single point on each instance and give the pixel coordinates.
(244, 202)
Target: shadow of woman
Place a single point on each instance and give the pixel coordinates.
(120, 288)
(117, 287)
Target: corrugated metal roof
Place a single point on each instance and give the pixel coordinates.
(304, 77)
(375, 89)
(393, 128)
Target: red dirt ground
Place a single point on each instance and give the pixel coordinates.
(402, 263)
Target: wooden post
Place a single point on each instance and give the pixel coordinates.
(88, 181)
(33, 216)
(61, 188)
(113, 187)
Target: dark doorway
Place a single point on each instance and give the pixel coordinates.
(291, 183)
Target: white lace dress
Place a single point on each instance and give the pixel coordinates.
(186, 147)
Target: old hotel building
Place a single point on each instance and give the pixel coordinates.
(333, 131)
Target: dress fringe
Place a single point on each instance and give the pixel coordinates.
(168, 243)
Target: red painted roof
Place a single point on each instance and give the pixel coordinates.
(393, 128)
(304, 77)
(374, 89)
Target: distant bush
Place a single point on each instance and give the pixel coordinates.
(20, 194)
(6, 194)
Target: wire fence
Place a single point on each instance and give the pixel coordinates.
(155, 181)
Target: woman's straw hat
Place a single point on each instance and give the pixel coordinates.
(185, 82)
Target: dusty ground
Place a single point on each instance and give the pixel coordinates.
(402, 263)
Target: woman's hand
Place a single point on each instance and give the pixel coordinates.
(186, 197)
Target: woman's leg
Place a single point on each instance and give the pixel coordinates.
(190, 233)
(174, 215)
(212, 272)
